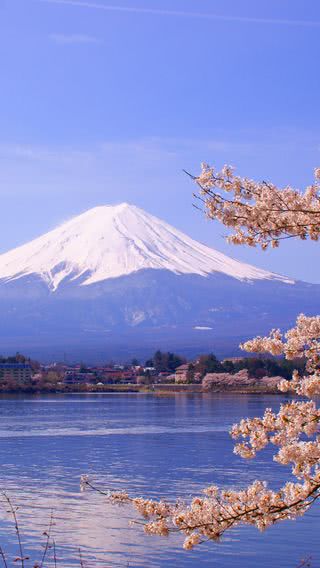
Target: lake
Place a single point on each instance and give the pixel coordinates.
(150, 446)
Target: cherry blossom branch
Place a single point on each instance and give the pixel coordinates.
(259, 213)
(222, 511)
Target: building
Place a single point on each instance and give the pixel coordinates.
(116, 374)
(19, 372)
(75, 378)
(233, 359)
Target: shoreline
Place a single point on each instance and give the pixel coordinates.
(158, 390)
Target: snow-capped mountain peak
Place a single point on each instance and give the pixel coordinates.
(116, 240)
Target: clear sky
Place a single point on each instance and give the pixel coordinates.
(106, 101)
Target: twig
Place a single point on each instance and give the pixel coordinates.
(54, 553)
(3, 558)
(305, 562)
(13, 510)
(86, 483)
(47, 545)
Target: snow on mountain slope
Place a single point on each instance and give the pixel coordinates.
(112, 241)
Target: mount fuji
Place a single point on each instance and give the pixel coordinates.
(114, 241)
(117, 281)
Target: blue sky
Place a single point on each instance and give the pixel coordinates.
(107, 101)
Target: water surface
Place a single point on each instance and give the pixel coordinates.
(148, 445)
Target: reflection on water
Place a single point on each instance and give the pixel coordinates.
(147, 445)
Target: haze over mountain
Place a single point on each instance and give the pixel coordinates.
(119, 280)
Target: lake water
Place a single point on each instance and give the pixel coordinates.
(148, 445)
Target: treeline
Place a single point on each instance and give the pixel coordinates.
(265, 366)
(166, 361)
(257, 367)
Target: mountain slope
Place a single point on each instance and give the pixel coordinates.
(115, 282)
(114, 241)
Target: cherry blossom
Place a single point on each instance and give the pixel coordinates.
(258, 213)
